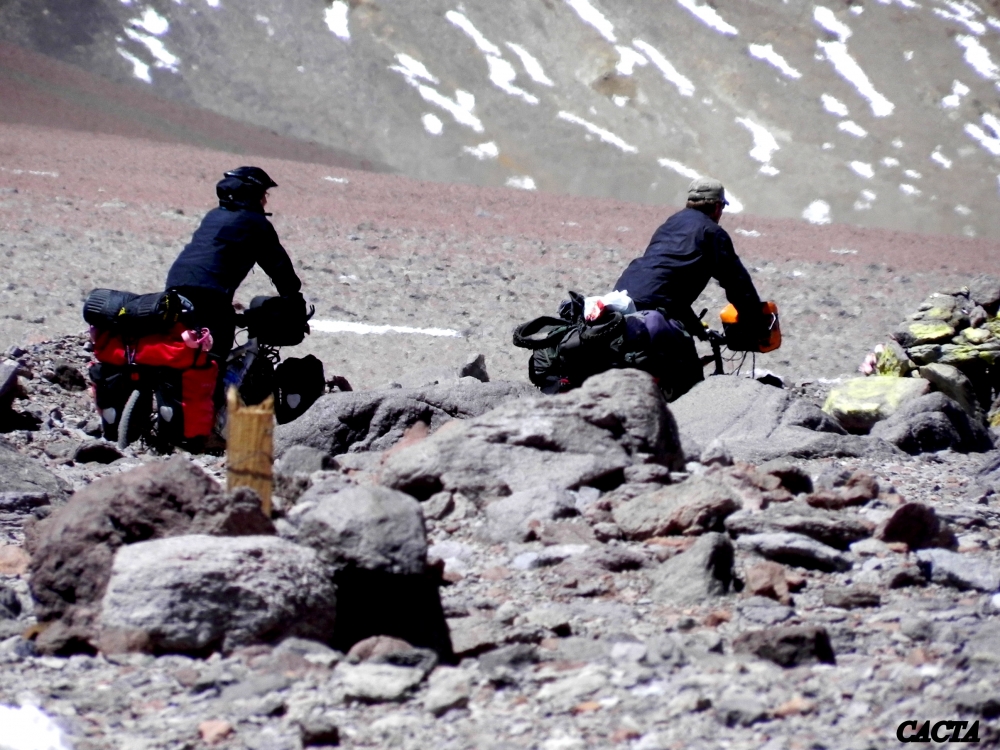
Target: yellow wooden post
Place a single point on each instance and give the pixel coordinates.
(250, 447)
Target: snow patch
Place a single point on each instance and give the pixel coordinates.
(139, 69)
(591, 15)
(890, 161)
(990, 142)
(212, 3)
(411, 68)
(683, 84)
(152, 23)
(817, 212)
(963, 210)
(501, 72)
(848, 68)
(944, 161)
(963, 14)
(864, 201)
(766, 53)
(913, 174)
(628, 58)
(852, 128)
(432, 124)
(834, 106)
(521, 183)
(908, 189)
(954, 99)
(164, 58)
(764, 144)
(531, 65)
(35, 172)
(709, 16)
(829, 21)
(747, 232)
(29, 728)
(338, 180)
(606, 136)
(342, 326)
(483, 151)
(336, 19)
(862, 168)
(977, 56)
(266, 22)
(485, 45)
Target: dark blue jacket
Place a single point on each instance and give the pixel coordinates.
(684, 253)
(230, 240)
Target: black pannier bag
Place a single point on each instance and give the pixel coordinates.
(133, 315)
(298, 382)
(112, 388)
(278, 321)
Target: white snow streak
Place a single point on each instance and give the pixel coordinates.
(521, 183)
(851, 127)
(338, 180)
(531, 65)
(764, 144)
(591, 15)
(937, 156)
(411, 69)
(341, 326)
(910, 190)
(862, 168)
(502, 73)
(912, 174)
(682, 170)
(432, 124)
(483, 151)
(766, 53)
(963, 15)
(29, 728)
(817, 212)
(606, 136)
(164, 58)
(978, 57)
(847, 66)
(485, 45)
(683, 84)
(708, 15)
(139, 69)
(212, 3)
(35, 172)
(628, 58)
(890, 161)
(834, 106)
(826, 18)
(963, 210)
(865, 200)
(152, 23)
(954, 99)
(990, 142)
(336, 19)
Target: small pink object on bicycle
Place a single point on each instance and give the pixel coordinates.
(200, 339)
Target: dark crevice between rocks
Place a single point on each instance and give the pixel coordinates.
(403, 606)
(610, 481)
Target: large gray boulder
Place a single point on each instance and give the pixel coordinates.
(697, 574)
(756, 422)
(371, 528)
(512, 519)
(835, 529)
(197, 594)
(583, 438)
(932, 423)
(72, 550)
(374, 420)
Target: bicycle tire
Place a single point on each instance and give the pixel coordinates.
(125, 422)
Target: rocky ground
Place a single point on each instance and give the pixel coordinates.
(567, 628)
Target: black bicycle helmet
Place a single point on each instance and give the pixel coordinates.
(252, 176)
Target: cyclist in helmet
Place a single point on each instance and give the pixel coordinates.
(683, 254)
(229, 242)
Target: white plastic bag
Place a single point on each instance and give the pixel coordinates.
(594, 307)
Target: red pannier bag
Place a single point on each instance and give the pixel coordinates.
(154, 350)
(197, 391)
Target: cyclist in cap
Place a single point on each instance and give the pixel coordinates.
(229, 242)
(684, 253)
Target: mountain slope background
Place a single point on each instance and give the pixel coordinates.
(882, 113)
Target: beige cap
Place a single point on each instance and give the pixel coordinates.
(707, 190)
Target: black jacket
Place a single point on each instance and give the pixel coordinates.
(684, 253)
(230, 240)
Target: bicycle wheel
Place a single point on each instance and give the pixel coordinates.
(129, 422)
